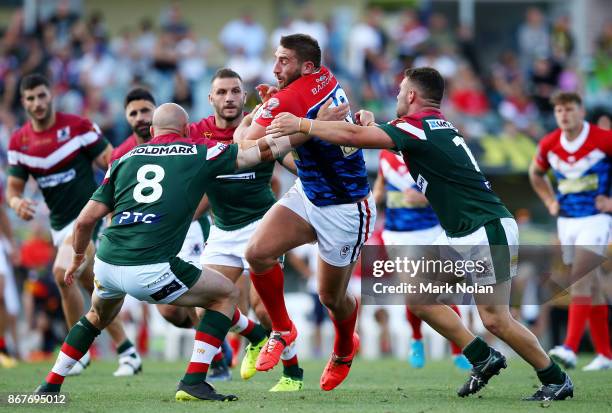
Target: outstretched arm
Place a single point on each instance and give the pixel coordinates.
(340, 133)
(81, 234)
(266, 149)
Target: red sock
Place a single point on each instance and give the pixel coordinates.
(579, 311)
(2, 345)
(142, 341)
(270, 287)
(415, 323)
(455, 349)
(291, 362)
(600, 330)
(218, 356)
(343, 343)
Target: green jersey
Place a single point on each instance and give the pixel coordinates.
(445, 170)
(154, 191)
(238, 199)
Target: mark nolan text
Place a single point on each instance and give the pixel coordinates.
(431, 288)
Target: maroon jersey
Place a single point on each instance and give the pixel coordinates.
(59, 158)
(124, 148)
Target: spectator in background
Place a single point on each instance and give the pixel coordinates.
(62, 21)
(234, 33)
(285, 29)
(467, 94)
(144, 46)
(467, 48)
(366, 44)
(411, 35)
(439, 33)
(517, 108)
(98, 67)
(562, 39)
(309, 25)
(443, 61)
(533, 37)
(544, 80)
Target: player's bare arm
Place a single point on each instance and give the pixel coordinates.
(23, 207)
(103, 160)
(266, 149)
(338, 132)
(541, 185)
(603, 203)
(81, 235)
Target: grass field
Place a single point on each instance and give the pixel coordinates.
(384, 386)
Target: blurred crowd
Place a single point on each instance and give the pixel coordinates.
(91, 69)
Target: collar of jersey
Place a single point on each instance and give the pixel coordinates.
(169, 138)
(573, 146)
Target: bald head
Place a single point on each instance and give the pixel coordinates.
(169, 118)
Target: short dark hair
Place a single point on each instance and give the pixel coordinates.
(225, 73)
(138, 93)
(32, 81)
(429, 81)
(305, 47)
(562, 98)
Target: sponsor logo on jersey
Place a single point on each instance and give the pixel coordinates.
(576, 185)
(216, 150)
(322, 83)
(345, 250)
(265, 111)
(440, 124)
(157, 281)
(422, 183)
(130, 217)
(238, 177)
(63, 134)
(169, 150)
(53, 180)
(348, 150)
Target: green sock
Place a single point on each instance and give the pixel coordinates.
(477, 351)
(293, 371)
(551, 374)
(257, 334)
(211, 331)
(127, 349)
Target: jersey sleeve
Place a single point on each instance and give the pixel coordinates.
(541, 157)
(605, 141)
(403, 139)
(106, 191)
(220, 160)
(279, 103)
(92, 141)
(15, 167)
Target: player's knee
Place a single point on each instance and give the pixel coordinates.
(175, 315)
(98, 320)
(330, 300)
(257, 259)
(418, 310)
(496, 323)
(58, 275)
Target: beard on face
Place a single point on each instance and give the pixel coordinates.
(291, 77)
(142, 130)
(47, 115)
(221, 112)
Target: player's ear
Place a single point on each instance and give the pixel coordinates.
(307, 68)
(152, 131)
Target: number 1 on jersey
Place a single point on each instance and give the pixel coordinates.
(459, 141)
(143, 183)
